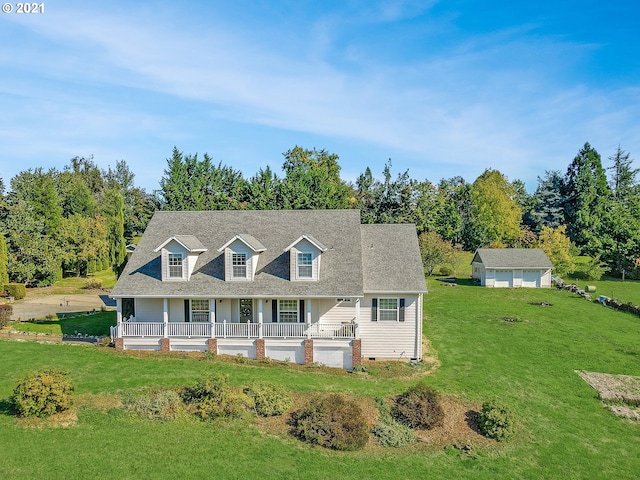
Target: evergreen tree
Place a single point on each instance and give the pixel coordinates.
(263, 191)
(588, 201)
(623, 181)
(113, 211)
(4, 262)
(548, 208)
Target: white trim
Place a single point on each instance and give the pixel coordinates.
(239, 237)
(311, 241)
(190, 250)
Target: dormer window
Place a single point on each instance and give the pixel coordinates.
(178, 256)
(241, 257)
(305, 265)
(304, 259)
(175, 265)
(239, 265)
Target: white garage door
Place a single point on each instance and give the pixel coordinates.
(531, 278)
(503, 279)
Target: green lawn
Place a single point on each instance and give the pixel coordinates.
(94, 324)
(564, 431)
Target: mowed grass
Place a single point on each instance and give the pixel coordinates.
(94, 324)
(563, 430)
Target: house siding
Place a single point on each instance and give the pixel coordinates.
(391, 340)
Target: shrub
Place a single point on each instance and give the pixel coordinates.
(92, 283)
(43, 393)
(446, 270)
(419, 407)
(5, 315)
(270, 399)
(387, 431)
(16, 290)
(494, 421)
(154, 404)
(213, 398)
(332, 422)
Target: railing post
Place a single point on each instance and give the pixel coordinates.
(249, 329)
(212, 317)
(260, 319)
(165, 317)
(224, 328)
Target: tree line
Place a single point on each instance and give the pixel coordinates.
(79, 219)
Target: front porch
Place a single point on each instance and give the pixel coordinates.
(299, 330)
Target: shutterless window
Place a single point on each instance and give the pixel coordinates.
(239, 265)
(175, 265)
(199, 310)
(305, 265)
(288, 311)
(388, 309)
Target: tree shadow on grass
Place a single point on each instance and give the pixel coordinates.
(471, 417)
(6, 407)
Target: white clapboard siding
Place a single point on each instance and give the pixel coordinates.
(392, 340)
(334, 312)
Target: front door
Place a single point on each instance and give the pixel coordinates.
(246, 310)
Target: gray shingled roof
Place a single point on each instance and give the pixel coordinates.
(248, 240)
(392, 264)
(190, 242)
(391, 259)
(531, 258)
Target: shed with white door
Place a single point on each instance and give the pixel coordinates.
(511, 268)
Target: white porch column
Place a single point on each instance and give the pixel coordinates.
(165, 317)
(308, 317)
(118, 317)
(260, 318)
(212, 316)
(357, 332)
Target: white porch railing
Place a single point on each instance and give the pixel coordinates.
(191, 329)
(236, 330)
(228, 329)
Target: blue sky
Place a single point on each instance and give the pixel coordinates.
(442, 88)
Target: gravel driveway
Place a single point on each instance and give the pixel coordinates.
(41, 306)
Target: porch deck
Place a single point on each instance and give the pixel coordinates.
(342, 331)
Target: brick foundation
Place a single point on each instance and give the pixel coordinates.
(260, 349)
(356, 352)
(308, 352)
(165, 345)
(212, 345)
(118, 343)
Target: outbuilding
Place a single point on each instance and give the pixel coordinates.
(511, 267)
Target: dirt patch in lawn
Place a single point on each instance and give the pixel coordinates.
(459, 428)
(621, 393)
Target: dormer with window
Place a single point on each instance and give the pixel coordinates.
(304, 259)
(241, 255)
(179, 255)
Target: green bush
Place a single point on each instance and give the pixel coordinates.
(446, 270)
(5, 315)
(43, 393)
(387, 431)
(419, 407)
(92, 283)
(16, 290)
(270, 399)
(212, 398)
(495, 421)
(332, 422)
(154, 404)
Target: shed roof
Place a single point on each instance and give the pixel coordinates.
(527, 258)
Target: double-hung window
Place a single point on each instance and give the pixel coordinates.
(239, 265)
(389, 309)
(305, 268)
(175, 265)
(288, 311)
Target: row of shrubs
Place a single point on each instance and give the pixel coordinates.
(332, 421)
